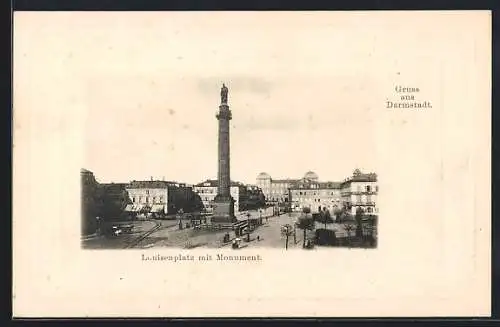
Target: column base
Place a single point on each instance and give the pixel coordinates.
(223, 210)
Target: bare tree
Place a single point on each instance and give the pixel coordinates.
(305, 223)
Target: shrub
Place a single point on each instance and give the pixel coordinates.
(325, 237)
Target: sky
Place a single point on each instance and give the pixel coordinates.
(301, 90)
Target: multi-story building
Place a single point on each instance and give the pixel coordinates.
(161, 197)
(315, 195)
(275, 190)
(360, 191)
(207, 191)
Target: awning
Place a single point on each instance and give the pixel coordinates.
(129, 208)
(157, 208)
(139, 207)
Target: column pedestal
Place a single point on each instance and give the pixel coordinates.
(223, 210)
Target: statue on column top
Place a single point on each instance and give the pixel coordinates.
(223, 93)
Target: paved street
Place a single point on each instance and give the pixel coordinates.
(191, 238)
(270, 232)
(169, 235)
(103, 242)
(185, 238)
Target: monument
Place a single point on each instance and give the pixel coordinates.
(223, 203)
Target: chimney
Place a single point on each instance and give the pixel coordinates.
(151, 178)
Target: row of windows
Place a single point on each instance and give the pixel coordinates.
(315, 200)
(201, 191)
(278, 199)
(315, 193)
(154, 199)
(368, 188)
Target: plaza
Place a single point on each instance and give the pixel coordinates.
(167, 234)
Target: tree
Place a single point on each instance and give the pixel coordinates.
(305, 223)
(349, 227)
(114, 200)
(345, 212)
(91, 203)
(195, 204)
(337, 212)
(327, 218)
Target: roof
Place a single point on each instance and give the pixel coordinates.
(211, 182)
(371, 177)
(317, 186)
(152, 184)
(117, 185)
(214, 183)
(358, 176)
(85, 171)
(330, 185)
(288, 180)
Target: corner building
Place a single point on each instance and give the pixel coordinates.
(360, 191)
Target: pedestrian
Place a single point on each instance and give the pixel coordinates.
(258, 238)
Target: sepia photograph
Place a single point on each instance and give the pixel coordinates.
(293, 212)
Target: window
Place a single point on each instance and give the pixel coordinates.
(133, 199)
(376, 188)
(154, 199)
(368, 189)
(147, 199)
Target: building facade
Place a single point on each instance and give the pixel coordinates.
(274, 190)
(246, 197)
(315, 195)
(360, 191)
(208, 189)
(161, 197)
(357, 191)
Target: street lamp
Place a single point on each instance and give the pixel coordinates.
(286, 230)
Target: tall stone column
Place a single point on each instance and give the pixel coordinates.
(223, 202)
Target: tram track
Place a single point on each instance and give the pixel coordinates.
(144, 235)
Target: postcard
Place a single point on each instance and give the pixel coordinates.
(251, 164)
